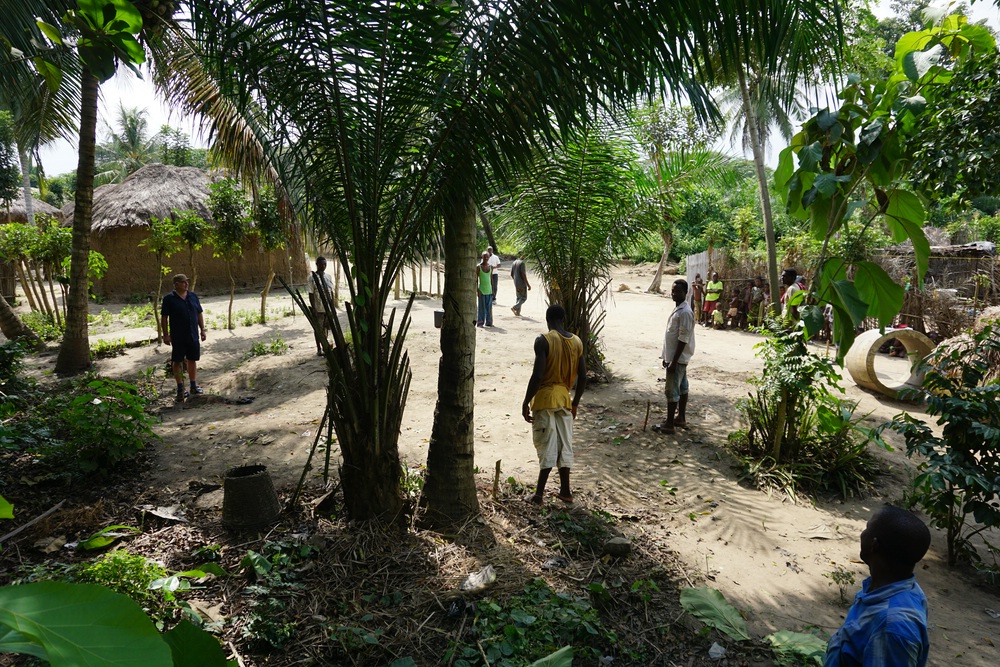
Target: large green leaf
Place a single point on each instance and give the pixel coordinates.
(561, 658)
(193, 647)
(6, 509)
(883, 295)
(80, 625)
(917, 64)
(797, 645)
(904, 216)
(711, 608)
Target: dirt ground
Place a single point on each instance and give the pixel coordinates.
(765, 553)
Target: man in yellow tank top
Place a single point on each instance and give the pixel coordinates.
(559, 364)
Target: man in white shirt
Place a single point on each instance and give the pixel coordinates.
(320, 279)
(495, 266)
(678, 347)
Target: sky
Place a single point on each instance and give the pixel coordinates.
(61, 156)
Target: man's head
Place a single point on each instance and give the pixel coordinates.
(894, 541)
(697, 276)
(715, 276)
(758, 281)
(489, 250)
(679, 291)
(788, 277)
(321, 264)
(485, 257)
(180, 282)
(555, 315)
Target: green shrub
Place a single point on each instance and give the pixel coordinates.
(135, 316)
(125, 573)
(530, 626)
(102, 319)
(85, 425)
(277, 346)
(959, 473)
(104, 349)
(43, 325)
(799, 435)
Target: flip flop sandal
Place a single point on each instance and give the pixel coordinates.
(663, 428)
(532, 499)
(683, 425)
(566, 499)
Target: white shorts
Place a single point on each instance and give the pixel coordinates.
(552, 433)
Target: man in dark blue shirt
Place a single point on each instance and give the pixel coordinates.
(887, 626)
(181, 317)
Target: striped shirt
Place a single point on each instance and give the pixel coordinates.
(884, 628)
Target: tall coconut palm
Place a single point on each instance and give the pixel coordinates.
(127, 149)
(780, 48)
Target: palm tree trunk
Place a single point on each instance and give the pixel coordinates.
(488, 229)
(765, 195)
(52, 290)
(156, 302)
(14, 329)
(267, 288)
(655, 286)
(194, 271)
(29, 202)
(25, 285)
(74, 353)
(232, 294)
(449, 495)
(41, 289)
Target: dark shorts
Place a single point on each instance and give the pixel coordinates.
(182, 348)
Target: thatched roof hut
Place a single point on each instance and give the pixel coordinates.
(121, 222)
(19, 214)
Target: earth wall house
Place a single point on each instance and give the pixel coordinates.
(121, 223)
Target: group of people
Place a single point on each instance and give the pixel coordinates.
(488, 281)
(747, 301)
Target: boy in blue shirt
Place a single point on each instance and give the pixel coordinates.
(887, 625)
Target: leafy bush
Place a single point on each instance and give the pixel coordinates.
(105, 349)
(88, 424)
(102, 319)
(107, 423)
(277, 346)
(140, 315)
(125, 573)
(960, 470)
(11, 382)
(530, 626)
(43, 325)
(799, 436)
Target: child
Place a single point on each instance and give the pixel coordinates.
(734, 309)
(718, 319)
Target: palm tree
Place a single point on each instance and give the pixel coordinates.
(779, 48)
(572, 211)
(128, 149)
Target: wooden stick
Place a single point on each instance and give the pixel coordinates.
(646, 421)
(21, 529)
(496, 481)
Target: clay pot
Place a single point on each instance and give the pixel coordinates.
(249, 500)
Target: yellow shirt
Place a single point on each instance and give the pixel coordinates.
(713, 285)
(561, 367)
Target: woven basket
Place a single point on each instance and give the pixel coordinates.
(249, 500)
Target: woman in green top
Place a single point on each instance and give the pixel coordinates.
(713, 290)
(485, 292)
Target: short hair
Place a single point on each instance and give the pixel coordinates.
(902, 536)
(555, 313)
(321, 257)
(683, 283)
(794, 273)
(489, 248)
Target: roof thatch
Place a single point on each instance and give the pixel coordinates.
(154, 190)
(18, 214)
